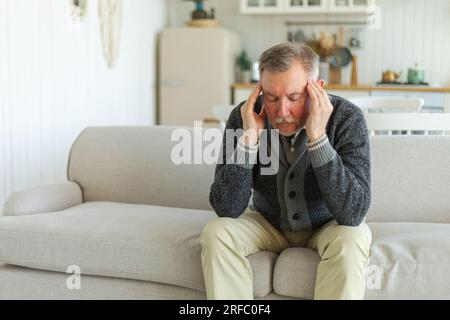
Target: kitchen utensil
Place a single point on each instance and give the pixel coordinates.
(327, 45)
(340, 40)
(290, 33)
(390, 76)
(290, 36)
(354, 80)
(355, 41)
(324, 72)
(335, 76)
(300, 37)
(341, 57)
(416, 74)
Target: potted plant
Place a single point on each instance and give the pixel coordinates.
(199, 12)
(245, 64)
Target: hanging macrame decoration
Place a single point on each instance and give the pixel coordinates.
(110, 16)
(78, 10)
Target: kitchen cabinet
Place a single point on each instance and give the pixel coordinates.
(350, 6)
(261, 6)
(304, 6)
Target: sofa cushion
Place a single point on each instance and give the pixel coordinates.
(413, 260)
(295, 272)
(410, 179)
(407, 261)
(136, 165)
(143, 242)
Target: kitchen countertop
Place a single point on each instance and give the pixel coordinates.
(363, 88)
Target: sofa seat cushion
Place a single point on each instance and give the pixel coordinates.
(407, 261)
(143, 242)
(412, 261)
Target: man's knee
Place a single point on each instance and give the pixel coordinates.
(348, 240)
(215, 230)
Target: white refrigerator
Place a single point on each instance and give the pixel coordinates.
(196, 71)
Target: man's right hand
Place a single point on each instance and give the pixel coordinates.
(252, 121)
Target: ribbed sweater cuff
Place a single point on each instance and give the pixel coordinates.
(246, 155)
(321, 152)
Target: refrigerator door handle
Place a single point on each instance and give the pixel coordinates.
(172, 83)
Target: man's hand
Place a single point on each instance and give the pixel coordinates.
(253, 122)
(320, 111)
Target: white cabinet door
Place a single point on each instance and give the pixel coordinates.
(306, 6)
(261, 6)
(350, 6)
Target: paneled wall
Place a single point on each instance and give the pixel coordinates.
(54, 82)
(412, 31)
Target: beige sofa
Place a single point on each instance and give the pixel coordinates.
(129, 219)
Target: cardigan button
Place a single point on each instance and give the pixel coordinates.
(292, 194)
(292, 175)
(296, 216)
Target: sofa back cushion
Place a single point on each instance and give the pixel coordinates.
(410, 179)
(133, 165)
(410, 174)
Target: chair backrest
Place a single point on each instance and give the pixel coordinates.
(412, 123)
(388, 104)
(134, 165)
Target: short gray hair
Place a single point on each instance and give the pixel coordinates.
(281, 57)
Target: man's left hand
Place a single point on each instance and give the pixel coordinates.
(320, 111)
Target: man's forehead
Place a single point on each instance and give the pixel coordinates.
(288, 92)
(278, 88)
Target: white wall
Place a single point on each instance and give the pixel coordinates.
(54, 82)
(412, 30)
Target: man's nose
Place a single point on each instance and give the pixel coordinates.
(283, 109)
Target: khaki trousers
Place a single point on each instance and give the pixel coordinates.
(226, 242)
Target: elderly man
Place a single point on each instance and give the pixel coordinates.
(319, 196)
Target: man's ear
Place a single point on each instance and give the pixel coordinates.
(321, 83)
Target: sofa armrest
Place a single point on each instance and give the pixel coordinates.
(44, 198)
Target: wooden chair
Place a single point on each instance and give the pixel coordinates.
(412, 123)
(388, 104)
